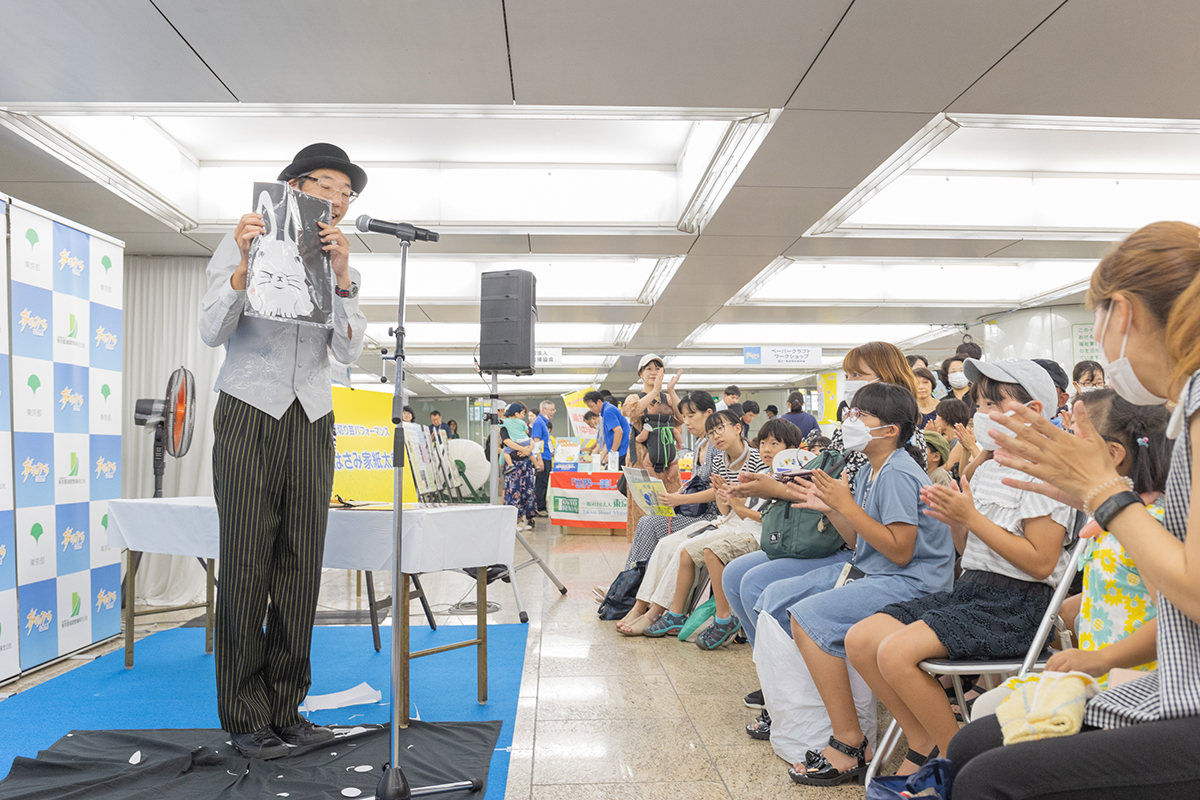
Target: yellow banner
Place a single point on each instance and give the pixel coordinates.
(363, 454)
(829, 395)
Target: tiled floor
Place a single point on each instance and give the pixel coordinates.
(600, 715)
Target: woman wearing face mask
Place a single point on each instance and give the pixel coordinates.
(954, 377)
(1139, 739)
(876, 362)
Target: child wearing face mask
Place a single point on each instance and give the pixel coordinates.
(899, 553)
(1012, 557)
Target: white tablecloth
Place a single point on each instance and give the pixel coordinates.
(450, 537)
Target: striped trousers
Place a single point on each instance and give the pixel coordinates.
(272, 479)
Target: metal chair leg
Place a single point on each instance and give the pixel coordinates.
(420, 592)
(374, 612)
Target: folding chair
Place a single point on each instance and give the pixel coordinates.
(1035, 658)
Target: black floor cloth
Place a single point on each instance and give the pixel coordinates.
(199, 764)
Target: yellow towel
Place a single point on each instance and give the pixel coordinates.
(1051, 706)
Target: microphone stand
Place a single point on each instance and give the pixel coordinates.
(394, 785)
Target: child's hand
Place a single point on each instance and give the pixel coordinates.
(833, 492)
(806, 496)
(749, 484)
(951, 505)
(967, 437)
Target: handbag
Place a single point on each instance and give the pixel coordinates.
(801, 532)
(696, 484)
(933, 780)
(622, 594)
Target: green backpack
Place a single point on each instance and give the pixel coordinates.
(800, 532)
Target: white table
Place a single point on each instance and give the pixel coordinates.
(433, 539)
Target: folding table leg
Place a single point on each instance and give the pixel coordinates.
(481, 678)
(130, 583)
(420, 593)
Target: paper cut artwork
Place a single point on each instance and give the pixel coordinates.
(289, 277)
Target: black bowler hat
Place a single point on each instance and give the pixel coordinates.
(325, 156)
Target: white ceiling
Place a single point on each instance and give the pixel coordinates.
(452, 82)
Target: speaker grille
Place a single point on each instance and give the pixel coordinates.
(507, 314)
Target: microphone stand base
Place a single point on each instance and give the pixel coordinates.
(394, 786)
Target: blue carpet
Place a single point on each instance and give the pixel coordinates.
(173, 685)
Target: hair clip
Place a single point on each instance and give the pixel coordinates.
(1143, 441)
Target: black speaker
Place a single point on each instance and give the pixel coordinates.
(507, 313)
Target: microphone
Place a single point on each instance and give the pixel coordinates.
(401, 230)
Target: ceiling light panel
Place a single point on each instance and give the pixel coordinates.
(442, 334)
(981, 282)
(750, 334)
(462, 360)
(566, 281)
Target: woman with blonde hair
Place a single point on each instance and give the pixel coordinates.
(1138, 739)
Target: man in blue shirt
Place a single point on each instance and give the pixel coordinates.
(613, 425)
(436, 424)
(540, 430)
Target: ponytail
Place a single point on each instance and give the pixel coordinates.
(1141, 430)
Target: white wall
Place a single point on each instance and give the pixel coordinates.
(1036, 333)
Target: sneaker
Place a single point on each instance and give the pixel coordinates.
(305, 732)
(755, 700)
(263, 743)
(666, 625)
(508, 470)
(761, 727)
(718, 634)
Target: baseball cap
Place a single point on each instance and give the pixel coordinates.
(646, 359)
(1057, 373)
(1030, 376)
(513, 408)
(939, 443)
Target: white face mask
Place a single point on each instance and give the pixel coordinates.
(852, 388)
(856, 435)
(958, 380)
(984, 427)
(1121, 377)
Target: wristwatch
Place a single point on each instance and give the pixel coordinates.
(351, 292)
(1113, 506)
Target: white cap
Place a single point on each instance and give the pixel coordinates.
(1029, 375)
(646, 359)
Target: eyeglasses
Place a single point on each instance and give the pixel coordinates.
(329, 191)
(855, 413)
(719, 429)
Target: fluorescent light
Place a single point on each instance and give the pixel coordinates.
(763, 278)
(434, 280)
(100, 169)
(452, 360)
(984, 283)
(923, 141)
(450, 334)
(733, 153)
(742, 334)
(660, 276)
(524, 390)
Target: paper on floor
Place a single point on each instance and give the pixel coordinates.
(359, 695)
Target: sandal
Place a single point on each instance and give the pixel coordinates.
(761, 727)
(819, 772)
(666, 625)
(916, 758)
(718, 633)
(637, 627)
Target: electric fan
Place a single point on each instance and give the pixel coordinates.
(172, 420)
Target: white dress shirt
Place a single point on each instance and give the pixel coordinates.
(269, 364)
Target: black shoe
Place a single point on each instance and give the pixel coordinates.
(761, 728)
(755, 700)
(304, 732)
(263, 743)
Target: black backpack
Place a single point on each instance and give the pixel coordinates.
(622, 594)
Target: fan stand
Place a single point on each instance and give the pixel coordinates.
(135, 559)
